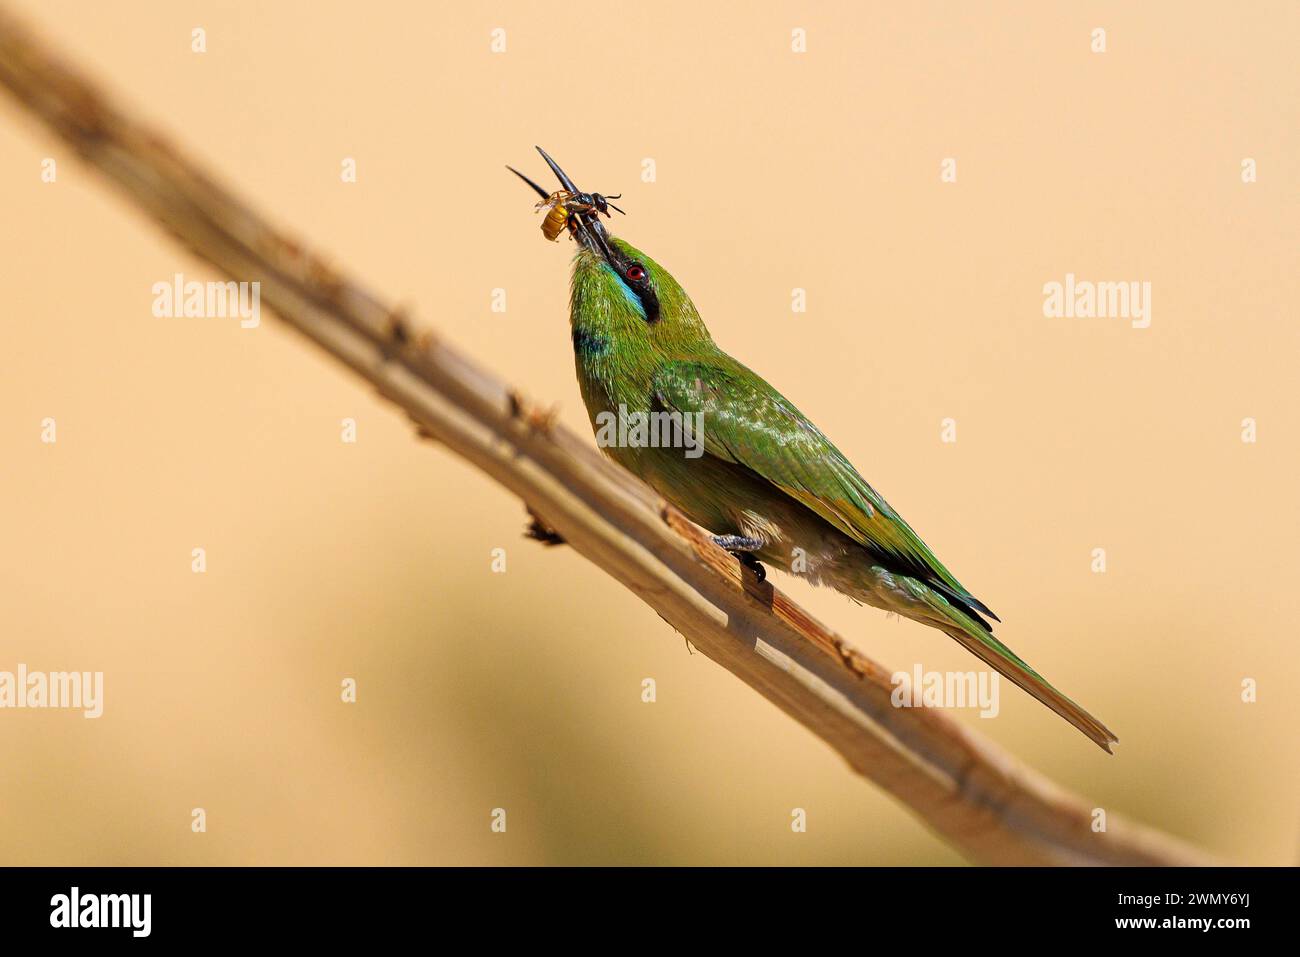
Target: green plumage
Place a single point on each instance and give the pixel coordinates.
(767, 474)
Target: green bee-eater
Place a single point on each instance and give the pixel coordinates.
(757, 473)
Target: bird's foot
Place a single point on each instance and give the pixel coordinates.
(743, 548)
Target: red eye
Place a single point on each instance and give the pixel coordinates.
(635, 273)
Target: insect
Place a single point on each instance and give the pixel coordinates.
(563, 205)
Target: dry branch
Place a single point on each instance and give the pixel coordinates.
(978, 798)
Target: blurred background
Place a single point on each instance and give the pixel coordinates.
(774, 170)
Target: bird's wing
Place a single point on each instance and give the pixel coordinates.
(747, 422)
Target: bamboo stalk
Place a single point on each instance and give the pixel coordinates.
(977, 797)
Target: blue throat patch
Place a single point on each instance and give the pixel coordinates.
(628, 294)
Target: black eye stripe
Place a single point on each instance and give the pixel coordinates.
(637, 278)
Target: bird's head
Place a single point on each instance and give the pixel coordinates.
(617, 290)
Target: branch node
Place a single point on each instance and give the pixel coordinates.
(535, 417)
(539, 531)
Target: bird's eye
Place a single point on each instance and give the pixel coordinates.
(636, 272)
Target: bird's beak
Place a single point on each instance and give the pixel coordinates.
(589, 230)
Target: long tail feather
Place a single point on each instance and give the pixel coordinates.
(981, 643)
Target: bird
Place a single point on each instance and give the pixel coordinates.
(757, 474)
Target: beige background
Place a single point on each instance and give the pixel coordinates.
(775, 171)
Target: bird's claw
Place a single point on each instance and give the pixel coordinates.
(753, 564)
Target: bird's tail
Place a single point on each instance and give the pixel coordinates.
(976, 636)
